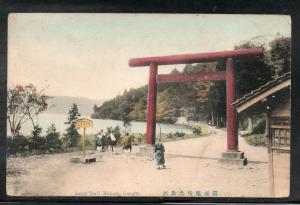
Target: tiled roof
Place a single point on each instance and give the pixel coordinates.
(262, 89)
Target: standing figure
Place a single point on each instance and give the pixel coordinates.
(159, 150)
(102, 140)
(127, 142)
(98, 141)
(112, 141)
(105, 142)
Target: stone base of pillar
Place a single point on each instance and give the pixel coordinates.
(146, 150)
(233, 158)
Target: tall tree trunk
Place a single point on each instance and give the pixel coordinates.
(31, 119)
(13, 128)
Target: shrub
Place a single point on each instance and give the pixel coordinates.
(9, 146)
(140, 138)
(257, 140)
(170, 135)
(90, 142)
(133, 138)
(179, 134)
(66, 143)
(17, 145)
(197, 130)
(260, 127)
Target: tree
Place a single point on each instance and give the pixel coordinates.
(198, 97)
(139, 111)
(165, 111)
(252, 72)
(72, 134)
(214, 108)
(37, 142)
(24, 103)
(124, 108)
(53, 143)
(280, 55)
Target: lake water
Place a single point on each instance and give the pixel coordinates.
(44, 120)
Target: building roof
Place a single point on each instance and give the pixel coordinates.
(262, 92)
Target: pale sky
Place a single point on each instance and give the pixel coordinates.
(87, 54)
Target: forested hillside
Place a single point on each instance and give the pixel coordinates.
(202, 100)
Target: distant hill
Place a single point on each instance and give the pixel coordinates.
(63, 104)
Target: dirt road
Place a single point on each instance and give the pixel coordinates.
(192, 170)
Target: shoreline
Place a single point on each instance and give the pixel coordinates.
(45, 120)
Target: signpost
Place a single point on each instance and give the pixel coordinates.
(84, 123)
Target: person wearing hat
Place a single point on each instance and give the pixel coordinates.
(159, 150)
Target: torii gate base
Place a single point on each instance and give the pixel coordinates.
(232, 155)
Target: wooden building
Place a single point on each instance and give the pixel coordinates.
(274, 96)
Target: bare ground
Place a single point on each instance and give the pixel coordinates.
(192, 170)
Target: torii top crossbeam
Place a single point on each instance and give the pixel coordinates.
(193, 58)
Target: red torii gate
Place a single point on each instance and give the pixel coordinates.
(228, 75)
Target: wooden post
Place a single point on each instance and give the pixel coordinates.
(270, 153)
(84, 123)
(83, 143)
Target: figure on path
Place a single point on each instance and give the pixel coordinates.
(111, 141)
(99, 140)
(127, 142)
(159, 150)
(105, 142)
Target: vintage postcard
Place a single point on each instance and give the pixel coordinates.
(139, 105)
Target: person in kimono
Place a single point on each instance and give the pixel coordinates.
(127, 142)
(105, 142)
(112, 141)
(99, 139)
(159, 150)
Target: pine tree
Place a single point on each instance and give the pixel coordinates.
(53, 143)
(72, 134)
(37, 142)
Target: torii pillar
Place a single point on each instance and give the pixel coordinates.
(151, 108)
(231, 113)
(232, 153)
